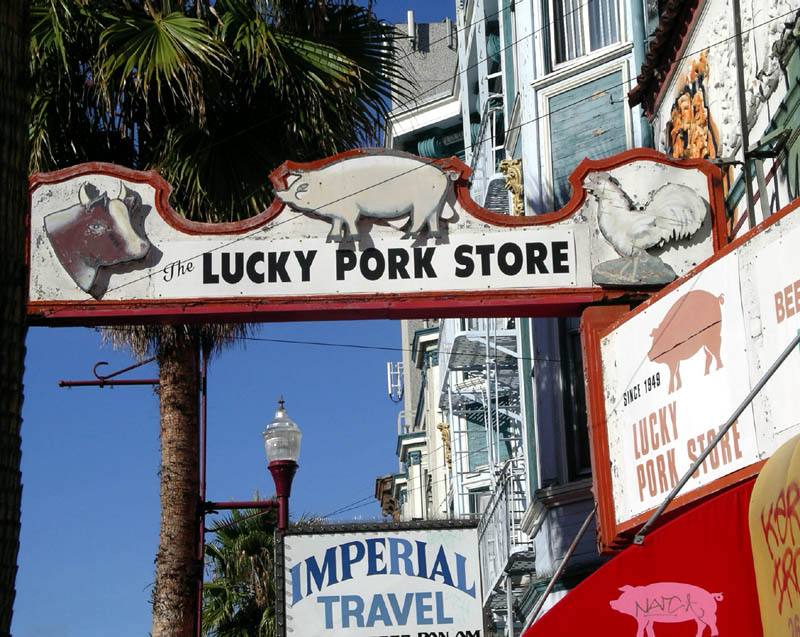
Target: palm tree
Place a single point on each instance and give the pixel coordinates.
(214, 95)
(239, 598)
(14, 110)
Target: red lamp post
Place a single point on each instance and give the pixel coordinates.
(282, 444)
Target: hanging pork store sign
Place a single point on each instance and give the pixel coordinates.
(675, 370)
(366, 233)
(407, 581)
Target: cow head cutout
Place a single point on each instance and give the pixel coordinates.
(95, 233)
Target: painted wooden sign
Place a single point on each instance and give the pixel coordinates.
(403, 581)
(365, 233)
(672, 372)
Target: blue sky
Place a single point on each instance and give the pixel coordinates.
(430, 11)
(90, 509)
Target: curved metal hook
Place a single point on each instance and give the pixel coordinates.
(94, 370)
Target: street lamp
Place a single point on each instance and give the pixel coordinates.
(282, 444)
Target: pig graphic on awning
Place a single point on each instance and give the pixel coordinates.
(668, 602)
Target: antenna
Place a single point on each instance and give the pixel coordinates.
(394, 381)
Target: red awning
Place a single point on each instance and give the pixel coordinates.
(693, 576)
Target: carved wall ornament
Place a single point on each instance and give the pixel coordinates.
(762, 26)
(512, 169)
(690, 131)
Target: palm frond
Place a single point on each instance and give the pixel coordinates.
(327, 59)
(51, 24)
(239, 597)
(146, 340)
(161, 53)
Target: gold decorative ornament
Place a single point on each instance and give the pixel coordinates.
(512, 169)
(444, 428)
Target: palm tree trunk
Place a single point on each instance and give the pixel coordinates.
(14, 153)
(177, 566)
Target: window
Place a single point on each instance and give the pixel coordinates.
(478, 500)
(579, 462)
(587, 119)
(578, 27)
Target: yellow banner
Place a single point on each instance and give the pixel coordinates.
(775, 537)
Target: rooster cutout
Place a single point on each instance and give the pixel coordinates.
(673, 212)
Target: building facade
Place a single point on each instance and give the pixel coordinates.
(493, 418)
(495, 410)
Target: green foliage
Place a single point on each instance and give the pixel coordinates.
(239, 598)
(212, 95)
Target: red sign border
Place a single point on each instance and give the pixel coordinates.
(596, 323)
(479, 303)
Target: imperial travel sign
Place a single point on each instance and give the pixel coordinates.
(676, 369)
(366, 233)
(423, 582)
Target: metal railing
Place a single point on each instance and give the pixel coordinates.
(499, 532)
(449, 329)
(485, 149)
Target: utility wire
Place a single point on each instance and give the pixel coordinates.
(355, 505)
(385, 348)
(360, 506)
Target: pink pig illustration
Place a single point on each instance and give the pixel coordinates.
(668, 602)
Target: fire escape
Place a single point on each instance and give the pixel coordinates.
(480, 394)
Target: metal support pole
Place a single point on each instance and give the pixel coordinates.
(639, 538)
(762, 187)
(509, 631)
(209, 507)
(489, 416)
(496, 382)
(202, 533)
(282, 473)
(551, 584)
(280, 584)
(737, 29)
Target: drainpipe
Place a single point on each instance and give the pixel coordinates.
(639, 22)
(737, 29)
(489, 418)
(526, 383)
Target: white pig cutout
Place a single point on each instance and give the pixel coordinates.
(382, 186)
